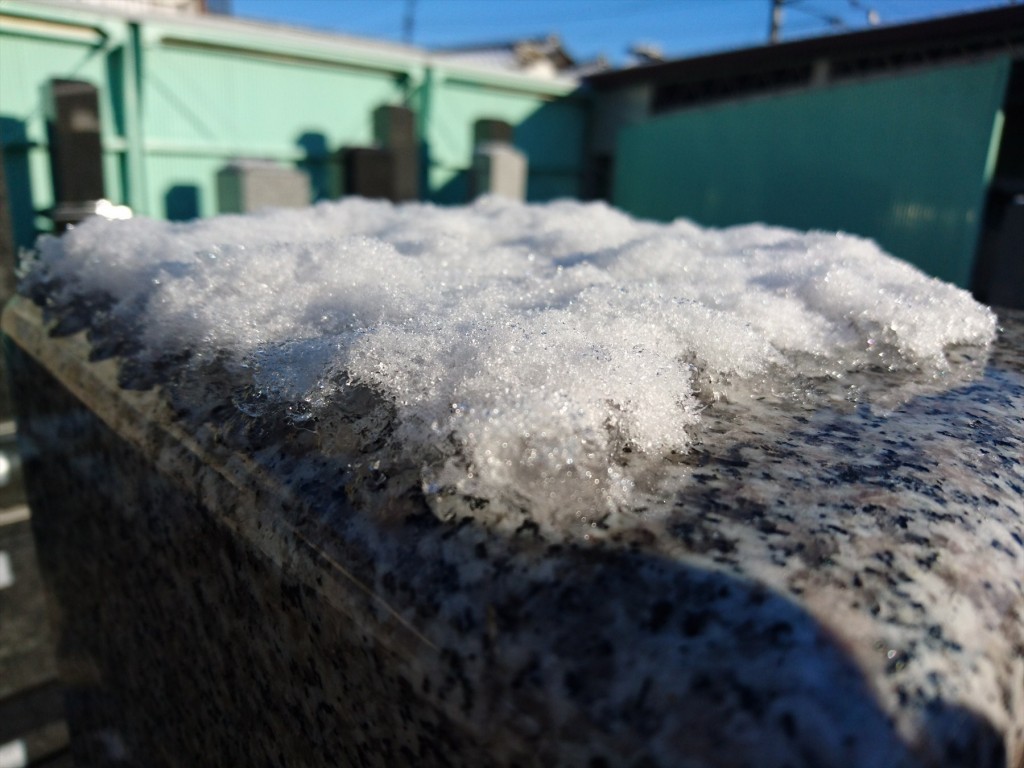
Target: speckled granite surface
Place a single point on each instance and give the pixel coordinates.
(831, 584)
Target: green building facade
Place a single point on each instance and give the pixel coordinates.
(911, 135)
(181, 97)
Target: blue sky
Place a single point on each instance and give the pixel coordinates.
(592, 27)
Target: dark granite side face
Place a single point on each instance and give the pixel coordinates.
(180, 645)
(836, 585)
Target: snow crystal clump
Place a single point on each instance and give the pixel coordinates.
(525, 348)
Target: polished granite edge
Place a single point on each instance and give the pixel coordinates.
(226, 482)
(243, 496)
(825, 634)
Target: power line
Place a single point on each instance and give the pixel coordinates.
(834, 21)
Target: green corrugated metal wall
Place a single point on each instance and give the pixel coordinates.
(904, 159)
(204, 106)
(180, 99)
(549, 128)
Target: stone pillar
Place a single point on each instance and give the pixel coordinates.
(367, 172)
(498, 167)
(395, 130)
(76, 150)
(249, 185)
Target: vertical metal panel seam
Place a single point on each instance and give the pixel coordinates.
(138, 191)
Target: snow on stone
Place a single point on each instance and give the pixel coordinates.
(542, 341)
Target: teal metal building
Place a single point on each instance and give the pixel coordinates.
(912, 135)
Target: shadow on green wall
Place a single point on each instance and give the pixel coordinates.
(319, 164)
(14, 137)
(181, 202)
(455, 191)
(553, 138)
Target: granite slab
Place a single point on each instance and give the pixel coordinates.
(831, 578)
(26, 648)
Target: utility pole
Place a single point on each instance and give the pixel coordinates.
(409, 22)
(775, 31)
